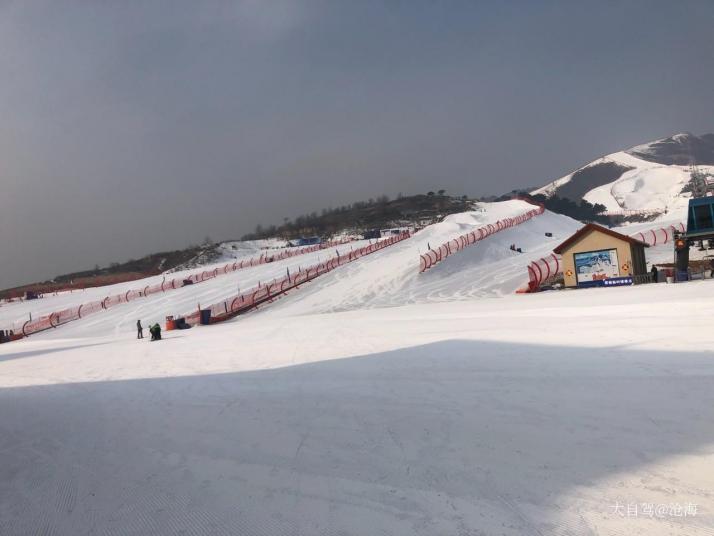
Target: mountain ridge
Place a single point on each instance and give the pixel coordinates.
(652, 177)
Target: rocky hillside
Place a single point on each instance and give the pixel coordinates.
(680, 150)
(376, 213)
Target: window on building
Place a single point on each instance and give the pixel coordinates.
(703, 217)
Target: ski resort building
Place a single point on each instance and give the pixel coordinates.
(598, 256)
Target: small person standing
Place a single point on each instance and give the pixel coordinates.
(655, 273)
(139, 330)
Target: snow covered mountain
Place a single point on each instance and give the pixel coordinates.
(651, 177)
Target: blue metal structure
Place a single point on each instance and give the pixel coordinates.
(700, 216)
(700, 227)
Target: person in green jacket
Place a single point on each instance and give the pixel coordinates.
(155, 331)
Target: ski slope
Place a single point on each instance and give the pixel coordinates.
(13, 314)
(121, 318)
(486, 269)
(232, 250)
(387, 278)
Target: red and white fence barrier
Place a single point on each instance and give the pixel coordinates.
(435, 256)
(237, 304)
(264, 259)
(546, 267)
(638, 212)
(657, 237)
(58, 318)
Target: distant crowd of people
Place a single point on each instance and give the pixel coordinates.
(514, 248)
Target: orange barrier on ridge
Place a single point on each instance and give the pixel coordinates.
(435, 256)
(240, 303)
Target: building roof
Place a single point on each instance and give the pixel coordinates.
(591, 227)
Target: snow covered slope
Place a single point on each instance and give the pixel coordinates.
(12, 312)
(526, 415)
(387, 278)
(647, 177)
(121, 318)
(233, 250)
(487, 269)
(359, 405)
(648, 186)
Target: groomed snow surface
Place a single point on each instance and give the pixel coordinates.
(374, 401)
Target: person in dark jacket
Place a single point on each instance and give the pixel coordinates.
(155, 331)
(139, 330)
(655, 273)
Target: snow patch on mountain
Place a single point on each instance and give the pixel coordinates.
(651, 184)
(647, 187)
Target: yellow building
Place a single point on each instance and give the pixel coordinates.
(598, 256)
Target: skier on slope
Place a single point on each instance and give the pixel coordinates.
(139, 330)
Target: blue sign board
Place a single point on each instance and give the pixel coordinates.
(612, 282)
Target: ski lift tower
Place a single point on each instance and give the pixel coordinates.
(702, 183)
(700, 228)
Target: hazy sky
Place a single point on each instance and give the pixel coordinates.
(132, 127)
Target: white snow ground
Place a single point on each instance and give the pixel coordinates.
(531, 414)
(374, 400)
